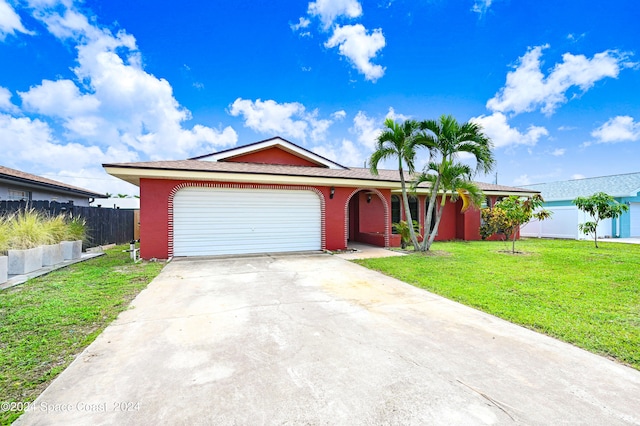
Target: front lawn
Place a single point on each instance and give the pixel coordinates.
(47, 321)
(567, 289)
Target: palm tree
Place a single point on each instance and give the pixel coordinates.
(455, 181)
(399, 140)
(446, 139)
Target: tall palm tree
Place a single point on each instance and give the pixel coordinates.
(446, 139)
(455, 181)
(399, 140)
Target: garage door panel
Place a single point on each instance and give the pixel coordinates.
(209, 221)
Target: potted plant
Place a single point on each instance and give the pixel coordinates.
(4, 246)
(26, 236)
(76, 233)
(56, 228)
(402, 228)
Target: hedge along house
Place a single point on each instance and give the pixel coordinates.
(566, 217)
(275, 196)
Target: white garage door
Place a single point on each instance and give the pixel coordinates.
(634, 211)
(212, 221)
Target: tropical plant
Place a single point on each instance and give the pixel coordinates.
(76, 229)
(28, 229)
(402, 228)
(4, 235)
(455, 181)
(513, 212)
(399, 141)
(56, 227)
(446, 140)
(599, 206)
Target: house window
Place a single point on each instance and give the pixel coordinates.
(18, 195)
(395, 211)
(413, 208)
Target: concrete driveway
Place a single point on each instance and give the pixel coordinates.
(317, 340)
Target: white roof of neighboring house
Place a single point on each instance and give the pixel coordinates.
(117, 203)
(626, 185)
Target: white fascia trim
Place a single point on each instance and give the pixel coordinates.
(426, 191)
(134, 175)
(287, 146)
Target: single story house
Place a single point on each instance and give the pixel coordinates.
(16, 185)
(559, 196)
(275, 196)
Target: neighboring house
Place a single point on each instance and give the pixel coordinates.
(275, 196)
(132, 203)
(566, 217)
(16, 186)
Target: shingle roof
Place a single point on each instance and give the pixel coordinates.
(23, 177)
(357, 173)
(626, 185)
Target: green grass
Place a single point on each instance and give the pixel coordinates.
(567, 289)
(46, 322)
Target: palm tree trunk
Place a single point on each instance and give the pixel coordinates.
(405, 200)
(427, 221)
(439, 211)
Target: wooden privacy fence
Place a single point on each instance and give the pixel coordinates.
(104, 225)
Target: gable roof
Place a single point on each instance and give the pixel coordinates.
(23, 178)
(625, 185)
(278, 142)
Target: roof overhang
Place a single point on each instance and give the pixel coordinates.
(28, 183)
(427, 191)
(134, 174)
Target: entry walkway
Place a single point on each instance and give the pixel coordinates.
(365, 251)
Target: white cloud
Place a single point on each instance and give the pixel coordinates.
(117, 103)
(527, 88)
(10, 21)
(285, 119)
(395, 116)
(60, 98)
(5, 101)
(354, 43)
(345, 153)
(622, 128)
(522, 180)
(339, 115)
(329, 10)
(558, 152)
(366, 129)
(502, 134)
(302, 23)
(481, 6)
(578, 176)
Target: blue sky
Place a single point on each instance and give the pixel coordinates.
(556, 85)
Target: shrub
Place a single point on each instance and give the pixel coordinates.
(4, 235)
(56, 227)
(76, 229)
(28, 229)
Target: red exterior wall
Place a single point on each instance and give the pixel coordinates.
(272, 155)
(370, 222)
(156, 197)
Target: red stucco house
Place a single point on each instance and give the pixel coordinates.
(275, 196)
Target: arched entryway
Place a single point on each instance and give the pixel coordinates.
(367, 218)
